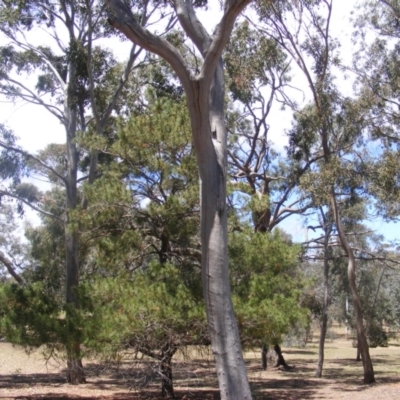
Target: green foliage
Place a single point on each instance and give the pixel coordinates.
(145, 206)
(266, 286)
(12, 165)
(251, 61)
(29, 317)
(145, 311)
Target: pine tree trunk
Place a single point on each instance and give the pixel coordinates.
(264, 362)
(281, 359)
(75, 372)
(167, 384)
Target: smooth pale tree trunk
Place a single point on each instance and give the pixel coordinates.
(205, 100)
(369, 376)
(324, 321)
(322, 337)
(210, 141)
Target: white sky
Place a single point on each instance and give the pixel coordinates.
(36, 127)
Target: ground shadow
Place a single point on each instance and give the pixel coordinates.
(195, 379)
(287, 389)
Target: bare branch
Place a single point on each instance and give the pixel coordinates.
(48, 214)
(192, 26)
(31, 97)
(10, 268)
(221, 36)
(121, 18)
(38, 160)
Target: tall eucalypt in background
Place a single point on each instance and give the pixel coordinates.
(78, 84)
(325, 119)
(205, 100)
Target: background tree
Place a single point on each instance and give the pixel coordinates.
(79, 83)
(315, 58)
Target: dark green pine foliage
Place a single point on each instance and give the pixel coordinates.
(267, 285)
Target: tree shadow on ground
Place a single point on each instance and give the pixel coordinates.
(196, 380)
(285, 389)
(13, 380)
(302, 351)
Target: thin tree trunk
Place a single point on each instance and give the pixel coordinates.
(167, 384)
(264, 362)
(75, 372)
(322, 336)
(358, 356)
(324, 322)
(281, 359)
(351, 272)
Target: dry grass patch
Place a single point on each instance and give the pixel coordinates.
(29, 377)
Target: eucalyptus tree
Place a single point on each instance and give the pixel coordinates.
(10, 247)
(377, 68)
(77, 82)
(321, 126)
(204, 90)
(259, 82)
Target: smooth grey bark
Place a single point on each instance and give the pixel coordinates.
(324, 323)
(205, 101)
(363, 347)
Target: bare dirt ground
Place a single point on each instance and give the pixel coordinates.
(26, 377)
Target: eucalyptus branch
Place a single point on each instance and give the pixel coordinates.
(10, 268)
(38, 160)
(221, 36)
(122, 81)
(22, 200)
(121, 18)
(31, 97)
(192, 26)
